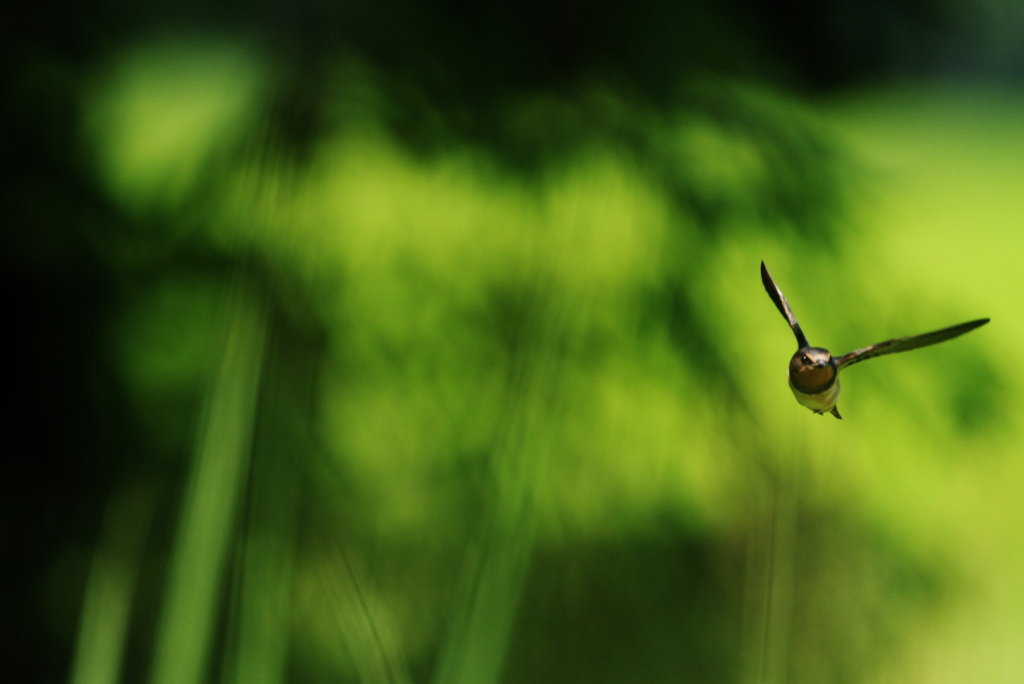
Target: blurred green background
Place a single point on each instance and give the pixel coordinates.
(425, 342)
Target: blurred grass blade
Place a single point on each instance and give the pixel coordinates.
(779, 607)
(103, 628)
(221, 460)
(264, 615)
(770, 576)
(497, 566)
(265, 584)
(476, 645)
(364, 622)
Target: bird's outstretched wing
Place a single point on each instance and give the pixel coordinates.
(780, 302)
(902, 344)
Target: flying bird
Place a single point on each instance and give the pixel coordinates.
(814, 372)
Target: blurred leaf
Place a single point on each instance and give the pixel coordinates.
(164, 113)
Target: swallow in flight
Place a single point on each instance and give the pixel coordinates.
(814, 372)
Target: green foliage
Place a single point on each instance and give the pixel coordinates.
(475, 419)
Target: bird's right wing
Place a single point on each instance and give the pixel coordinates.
(783, 306)
(902, 344)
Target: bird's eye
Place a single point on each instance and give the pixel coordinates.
(803, 357)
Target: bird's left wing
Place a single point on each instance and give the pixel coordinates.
(782, 305)
(902, 344)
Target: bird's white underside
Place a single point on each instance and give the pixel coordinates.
(819, 403)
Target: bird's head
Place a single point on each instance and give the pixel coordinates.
(812, 370)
